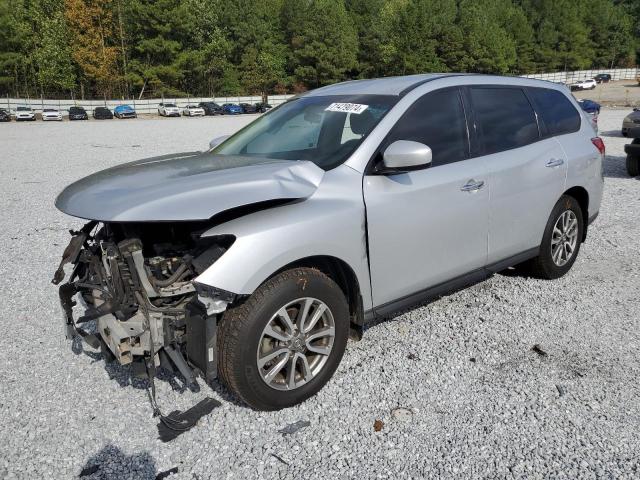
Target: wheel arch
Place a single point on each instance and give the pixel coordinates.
(341, 273)
(582, 197)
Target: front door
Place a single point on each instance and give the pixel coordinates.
(428, 226)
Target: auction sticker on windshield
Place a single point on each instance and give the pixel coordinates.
(347, 108)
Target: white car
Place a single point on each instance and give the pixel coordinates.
(168, 110)
(193, 111)
(588, 84)
(51, 114)
(25, 113)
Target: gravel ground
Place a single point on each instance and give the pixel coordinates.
(619, 93)
(475, 399)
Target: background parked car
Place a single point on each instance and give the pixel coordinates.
(602, 78)
(592, 109)
(231, 109)
(631, 124)
(262, 107)
(4, 115)
(125, 111)
(211, 108)
(78, 113)
(587, 84)
(248, 108)
(589, 106)
(25, 113)
(168, 110)
(51, 114)
(102, 113)
(193, 111)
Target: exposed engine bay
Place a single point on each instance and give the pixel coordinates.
(136, 281)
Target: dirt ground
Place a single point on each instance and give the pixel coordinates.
(622, 93)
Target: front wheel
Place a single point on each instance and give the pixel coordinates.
(284, 343)
(561, 240)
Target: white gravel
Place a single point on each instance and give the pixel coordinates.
(455, 384)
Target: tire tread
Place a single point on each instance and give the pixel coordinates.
(236, 322)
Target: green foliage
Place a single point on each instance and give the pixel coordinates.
(322, 41)
(227, 47)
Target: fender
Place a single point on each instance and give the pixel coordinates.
(268, 240)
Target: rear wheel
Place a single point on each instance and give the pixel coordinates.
(284, 343)
(633, 165)
(561, 240)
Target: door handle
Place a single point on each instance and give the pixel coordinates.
(555, 162)
(472, 185)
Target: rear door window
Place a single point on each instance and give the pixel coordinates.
(557, 112)
(504, 118)
(437, 120)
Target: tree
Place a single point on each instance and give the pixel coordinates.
(51, 55)
(263, 69)
(562, 37)
(322, 40)
(257, 43)
(92, 37)
(16, 48)
(365, 15)
(611, 33)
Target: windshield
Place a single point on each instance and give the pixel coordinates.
(171, 105)
(324, 130)
(23, 109)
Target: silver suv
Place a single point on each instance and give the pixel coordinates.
(254, 261)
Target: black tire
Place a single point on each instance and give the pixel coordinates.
(633, 165)
(241, 327)
(543, 265)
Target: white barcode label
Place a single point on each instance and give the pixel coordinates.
(347, 108)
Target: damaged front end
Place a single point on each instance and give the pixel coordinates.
(136, 281)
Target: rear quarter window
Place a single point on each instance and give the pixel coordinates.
(557, 112)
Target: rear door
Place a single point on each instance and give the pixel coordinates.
(424, 226)
(527, 171)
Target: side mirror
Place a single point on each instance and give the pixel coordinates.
(404, 155)
(217, 141)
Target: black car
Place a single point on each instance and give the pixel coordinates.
(102, 113)
(602, 78)
(262, 107)
(4, 115)
(211, 108)
(78, 113)
(248, 108)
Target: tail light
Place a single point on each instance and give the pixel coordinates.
(599, 144)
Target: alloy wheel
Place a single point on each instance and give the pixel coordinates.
(564, 238)
(296, 343)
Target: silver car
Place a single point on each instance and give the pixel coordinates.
(256, 260)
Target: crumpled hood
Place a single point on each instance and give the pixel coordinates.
(188, 186)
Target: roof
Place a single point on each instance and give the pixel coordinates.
(378, 86)
(402, 85)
